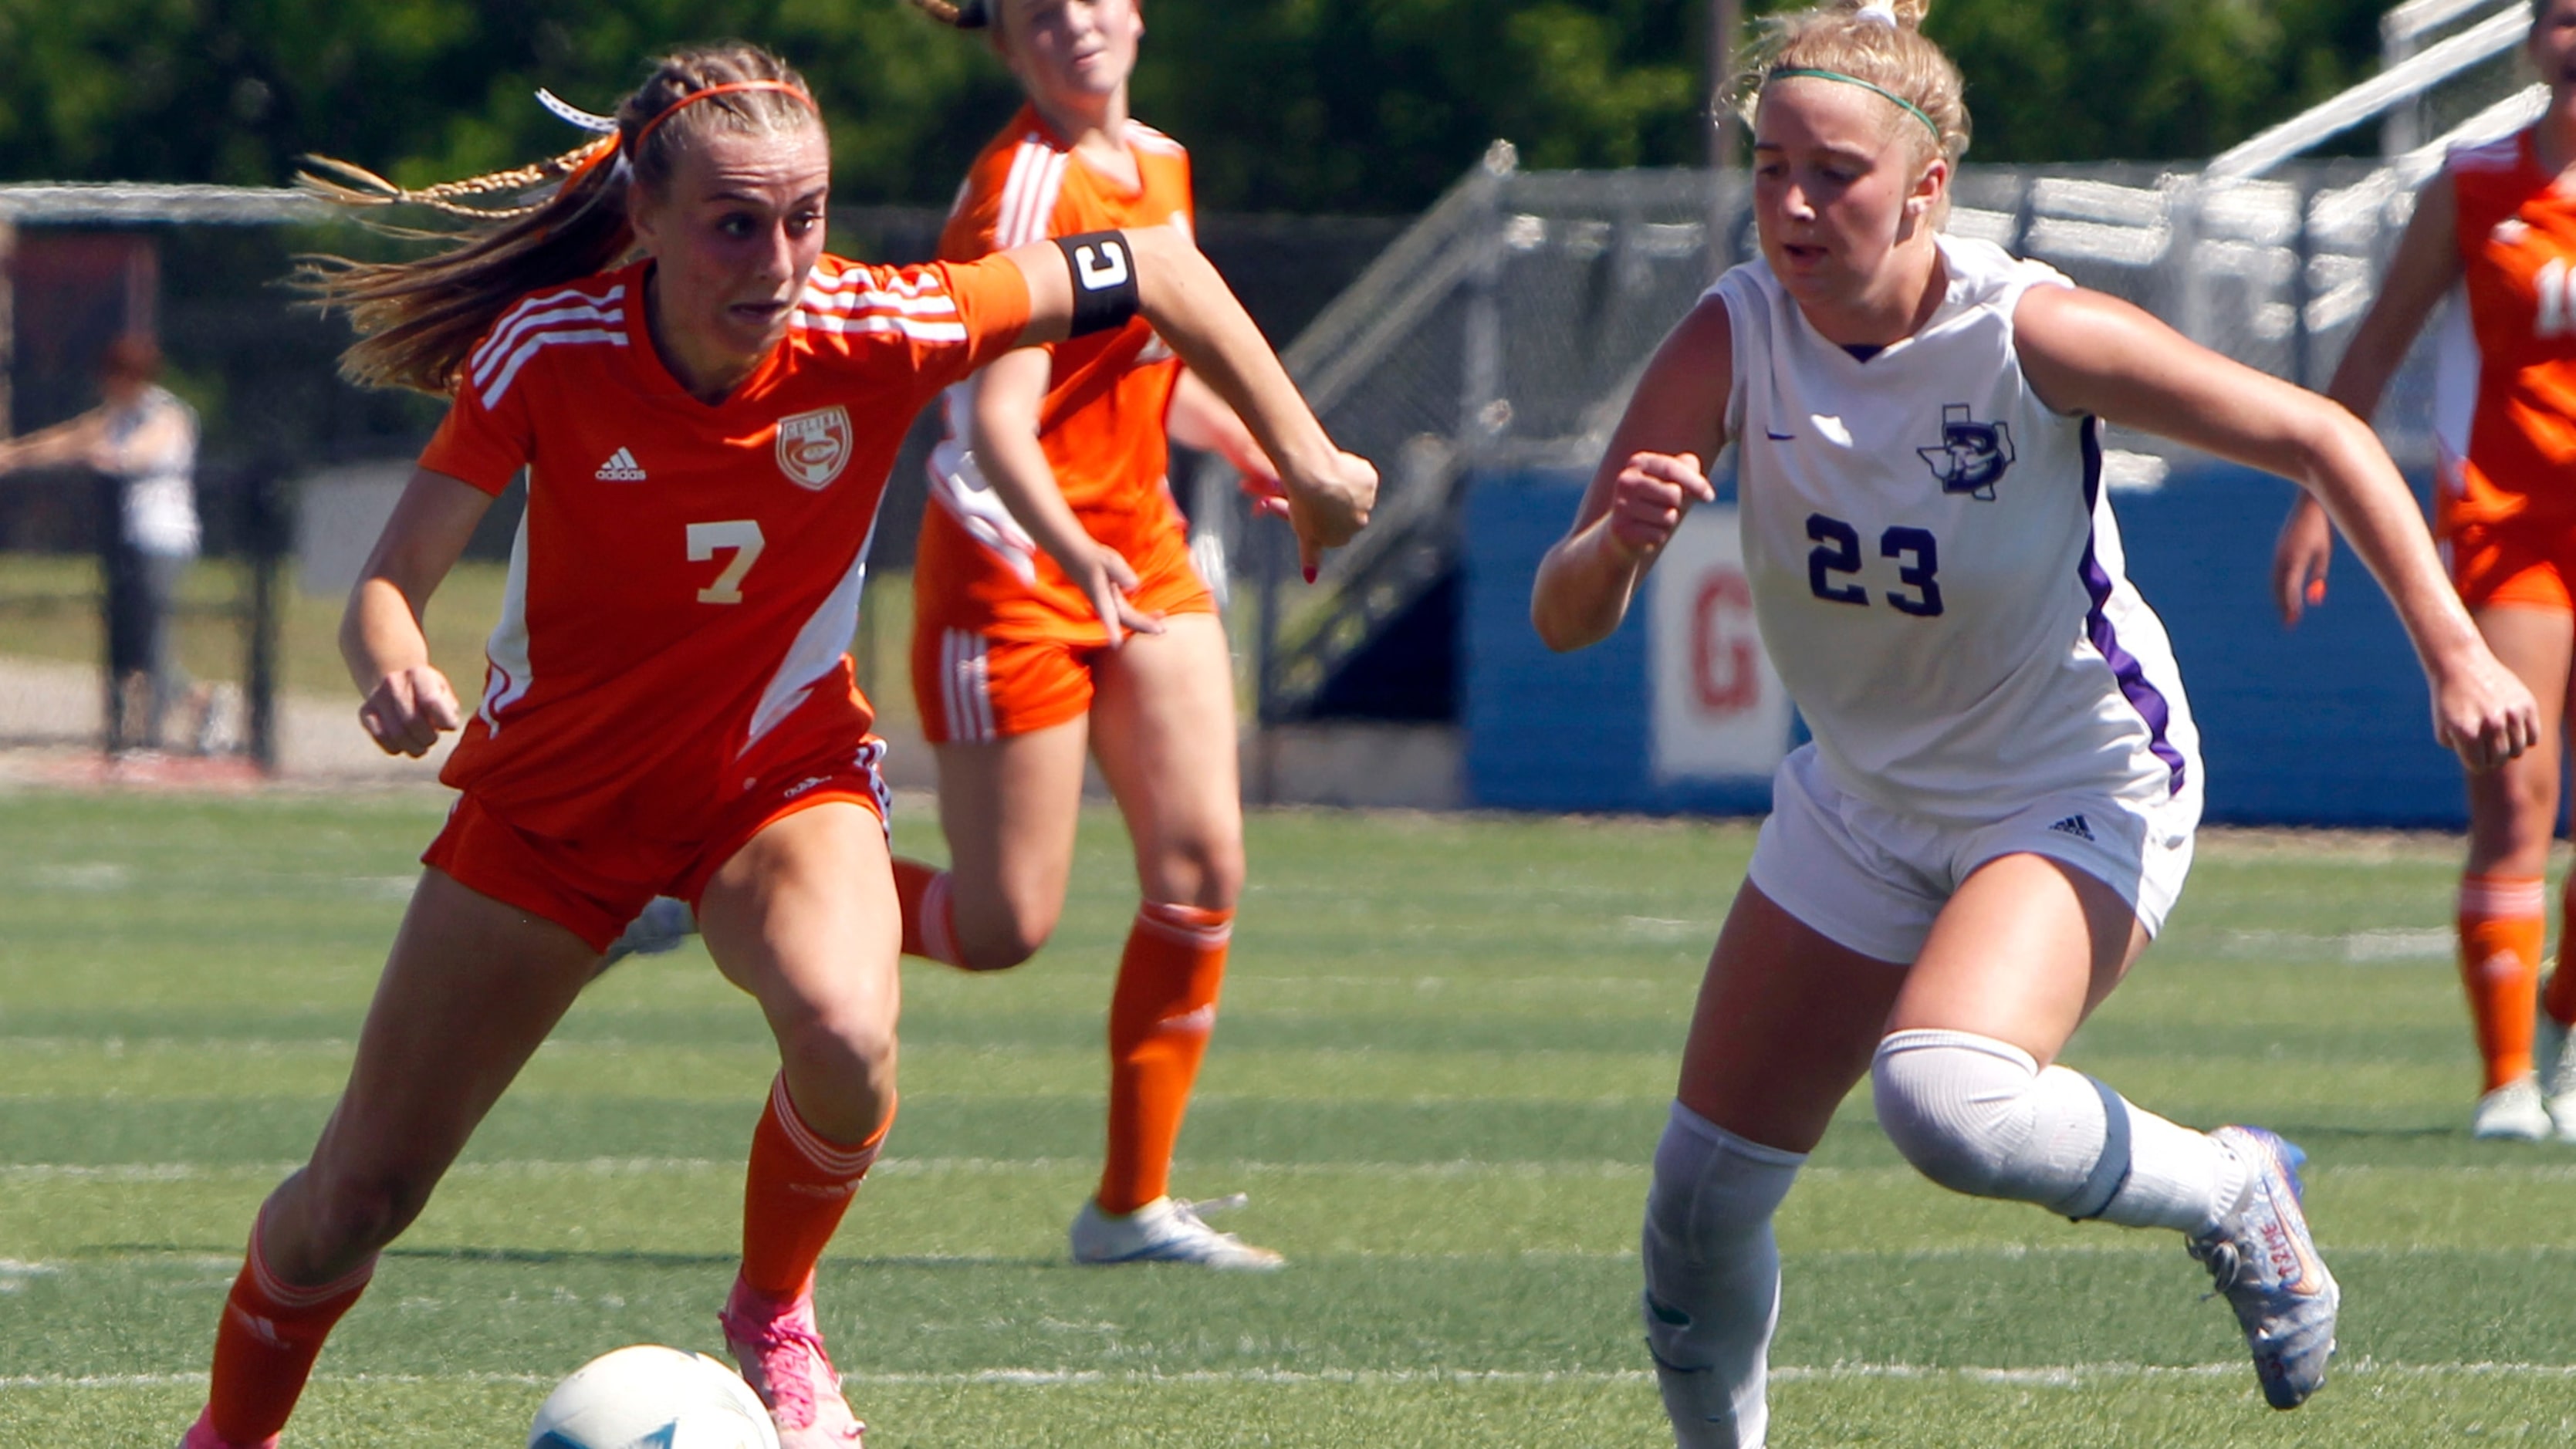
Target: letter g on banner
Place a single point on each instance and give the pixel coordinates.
(1719, 711)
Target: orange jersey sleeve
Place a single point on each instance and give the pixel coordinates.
(934, 324)
(488, 435)
(2506, 417)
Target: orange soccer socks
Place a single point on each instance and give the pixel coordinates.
(2559, 999)
(264, 1350)
(1159, 1021)
(929, 911)
(794, 1194)
(2502, 928)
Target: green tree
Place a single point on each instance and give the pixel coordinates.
(1297, 105)
(2079, 80)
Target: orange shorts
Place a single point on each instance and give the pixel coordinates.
(2512, 564)
(593, 888)
(973, 687)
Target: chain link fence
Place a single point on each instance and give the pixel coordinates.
(1504, 333)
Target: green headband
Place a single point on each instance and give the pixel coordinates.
(1810, 73)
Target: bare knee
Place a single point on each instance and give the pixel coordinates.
(841, 1065)
(348, 1216)
(2515, 819)
(1004, 935)
(1206, 874)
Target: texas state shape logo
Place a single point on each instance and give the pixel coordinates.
(1971, 455)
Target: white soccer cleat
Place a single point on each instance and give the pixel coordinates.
(663, 925)
(2512, 1113)
(2261, 1257)
(2557, 1070)
(782, 1358)
(1167, 1231)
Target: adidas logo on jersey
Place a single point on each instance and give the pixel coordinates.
(2074, 825)
(621, 467)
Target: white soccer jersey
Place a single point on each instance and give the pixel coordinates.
(1936, 572)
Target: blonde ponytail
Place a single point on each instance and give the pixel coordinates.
(963, 14)
(531, 227)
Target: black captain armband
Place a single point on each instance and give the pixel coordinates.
(1104, 281)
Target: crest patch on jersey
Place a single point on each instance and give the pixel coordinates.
(814, 447)
(1971, 455)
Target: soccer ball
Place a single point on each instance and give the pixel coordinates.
(650, 1397)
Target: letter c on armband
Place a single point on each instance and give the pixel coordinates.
(1105, 295)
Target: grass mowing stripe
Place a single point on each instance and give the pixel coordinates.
(2050, 1376)
(1778, 1373)
(56, 1067)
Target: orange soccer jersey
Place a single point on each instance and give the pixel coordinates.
(686, 579)
(1102, 421)
(2506, 398)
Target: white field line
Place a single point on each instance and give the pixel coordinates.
(2043, 1376)
(616, 1167)
(1455, 1170)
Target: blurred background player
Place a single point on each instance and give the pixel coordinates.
(1998, 807)
(668, 710)
(1056, 612)
(143, 439)
(2497, 228)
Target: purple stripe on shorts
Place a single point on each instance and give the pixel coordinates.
(2142, 696)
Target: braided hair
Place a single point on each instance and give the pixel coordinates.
(964, 14)
(530, 227)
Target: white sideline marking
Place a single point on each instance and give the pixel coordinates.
(2399, 945)
(1603, 1170)
(126, 1172)
(2045, 1375)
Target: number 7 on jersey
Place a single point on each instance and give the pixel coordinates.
(742, 536)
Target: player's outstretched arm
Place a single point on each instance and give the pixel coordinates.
(408, 702)
(1330, 492)
(1009, 395)
(2425, 268)
(75, 441)
(1652, 473)
(2088, 353)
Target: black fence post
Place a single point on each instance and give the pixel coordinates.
(268, 514)
(109, 512)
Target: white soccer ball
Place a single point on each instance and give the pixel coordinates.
(650, 1397)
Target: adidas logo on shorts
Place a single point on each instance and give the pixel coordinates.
(2074, 825)
(621, 467)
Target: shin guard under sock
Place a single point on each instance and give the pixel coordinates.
(1159, 1022)
(271, 1333)
(2502, 931)
(795, 1192)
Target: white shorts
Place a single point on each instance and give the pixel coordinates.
(1872, 879)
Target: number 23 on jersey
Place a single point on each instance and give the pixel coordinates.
(1837, 554)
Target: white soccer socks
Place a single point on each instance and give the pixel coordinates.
(1978, 1116)
(1713, 1278)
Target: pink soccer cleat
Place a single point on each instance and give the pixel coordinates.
(782, 1358)
(202, 1435)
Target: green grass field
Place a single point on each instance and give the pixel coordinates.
(1445, 1057)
